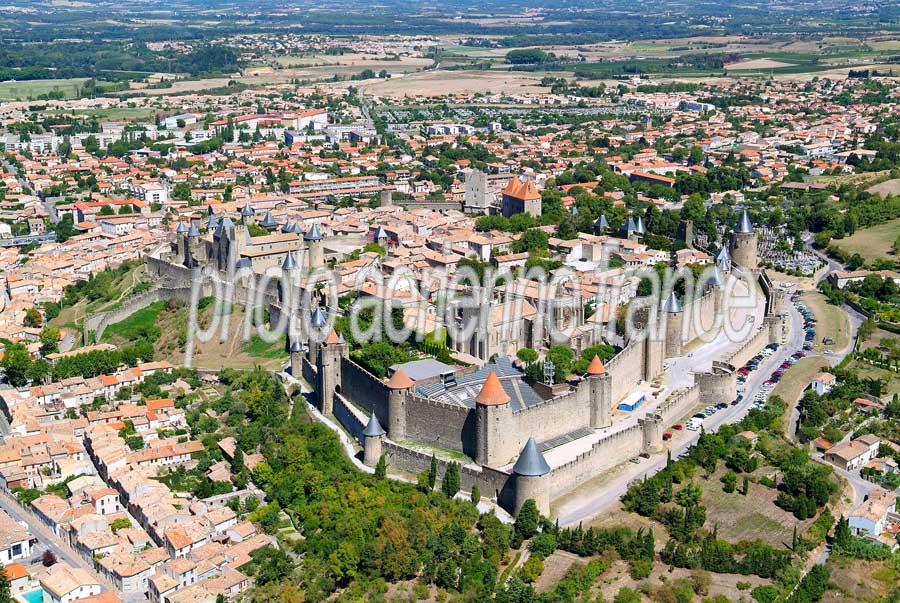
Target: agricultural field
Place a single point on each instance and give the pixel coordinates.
(441, 83)
(871, 243)
(27, 90)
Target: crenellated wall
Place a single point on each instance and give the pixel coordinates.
(751, 347)
(700, 316)
(443, 425)
(493, 483)
(365, 389)
(678, 404)
(627, 368)
(604, 454)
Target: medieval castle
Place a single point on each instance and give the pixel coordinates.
(523, 440)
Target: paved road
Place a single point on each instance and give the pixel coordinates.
(46, 537)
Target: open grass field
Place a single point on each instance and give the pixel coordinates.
(756, 64)
(657, 585)
(114, 113)
(863, 581)
(888, 187)
(139, 322)
(872, 243)
(32, 89)
(232, 352)
(863, 179)
(832, 322)
(751, 517)
(797, 378)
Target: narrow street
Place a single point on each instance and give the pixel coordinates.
(46, 538)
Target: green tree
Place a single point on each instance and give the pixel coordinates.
(627, 595)
(237, 461)
(450, 483)
(270, 565)
(432, 473)
(33, 318)
(527, 520)
(381, 468)
(49, 340)
(729, 481)
(476, 494)
(527, 355)
(5, 593)
(16, 364)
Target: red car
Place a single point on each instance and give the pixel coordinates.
(667, 436)
(678, 426)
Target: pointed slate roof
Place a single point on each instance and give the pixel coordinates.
(531, 462)
(373, 428)
(400, 380)
(723, 265)
(181, 228)
(723, 254)
(289, 262)
(596, 366)
(744, 226)
(212, 221)
(296, 346)
(268, 221)
(192, 231)
(319, 318)
(247, 211)
(717, 278)
(313, 234)
(640, 228)
(288, 227)
(629, 226)
(601, 222)
(492, 392)
(673, 306)
(381, 233)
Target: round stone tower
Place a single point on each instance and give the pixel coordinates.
(674, 317)
(399, 385)
(530, 473)
(743, 244)
(493, 417)
(315, 251)
(600, 383)
(373, 441)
